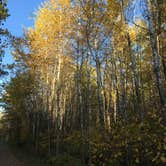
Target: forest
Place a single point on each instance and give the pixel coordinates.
(88, 85)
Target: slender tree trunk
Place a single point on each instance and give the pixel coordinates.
(80, 99)
(159, 20)
(133, 65)
(48, 126)
(37, 130)
(156, 58)
(33, 127)
(117, 90)
(100, 101)
(122, 78)
(58, 107)
(89, 116)
(81, 116)
(99, 84)
(114, 91)
(49, 135)
(135, 75)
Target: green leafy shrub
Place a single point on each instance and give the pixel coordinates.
(63, 159)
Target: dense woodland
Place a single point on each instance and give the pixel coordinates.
(89, 83)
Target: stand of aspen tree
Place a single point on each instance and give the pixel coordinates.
(90, 83)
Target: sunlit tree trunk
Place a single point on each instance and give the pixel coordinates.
(156, 57)
(133, 64)
(123, 86)
(58, 122)
(160, 5)
(89, 115)
(99, 88)
(135, 75)
(79, 96)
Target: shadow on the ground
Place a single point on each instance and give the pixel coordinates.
(14, 156)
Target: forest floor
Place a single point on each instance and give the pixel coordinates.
(14, 157)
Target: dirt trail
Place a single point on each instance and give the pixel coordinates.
(8, 158)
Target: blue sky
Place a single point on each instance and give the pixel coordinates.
(21, 16)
